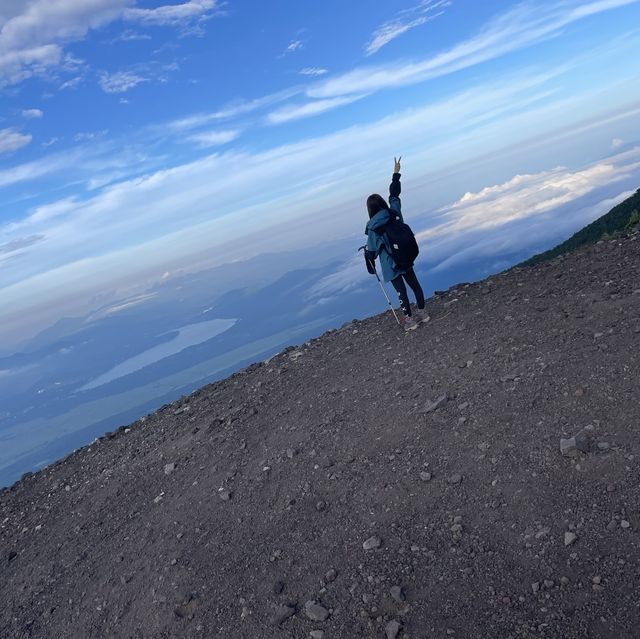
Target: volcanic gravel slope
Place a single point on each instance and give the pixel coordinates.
(223, 514)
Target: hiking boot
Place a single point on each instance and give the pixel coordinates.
(420, 316)
(408, 323)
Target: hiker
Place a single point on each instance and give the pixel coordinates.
(397, 265)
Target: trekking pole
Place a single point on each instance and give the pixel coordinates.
(384, 291)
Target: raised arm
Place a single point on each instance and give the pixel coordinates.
(395, 188)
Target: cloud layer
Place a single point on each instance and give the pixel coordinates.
(33, 33)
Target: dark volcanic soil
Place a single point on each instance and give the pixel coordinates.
(223, 514)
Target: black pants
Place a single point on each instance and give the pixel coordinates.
(398, 283)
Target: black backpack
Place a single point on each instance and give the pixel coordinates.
(402, 242)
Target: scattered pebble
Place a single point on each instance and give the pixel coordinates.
(392, 629)
(397, 594)
(438, 403)
(281, 614)
(570, 538)
(169, 468)
(315, 611)
(371, 543)
(625, 524)
(330, 576)
(425, 476)
(455, 478)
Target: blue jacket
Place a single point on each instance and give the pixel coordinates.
(377, 242)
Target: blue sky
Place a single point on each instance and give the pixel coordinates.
(143, 139)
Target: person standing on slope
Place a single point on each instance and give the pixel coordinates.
(382, 214)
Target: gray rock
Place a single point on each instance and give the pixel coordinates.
(331, 575)
(425, 476)
(225, 495)
(573, 446)
(438, 403)
(625, 524)
(371, 543)
(456, 478)
(570, 538)
(397, 594)
(315, 611)
(281, 614)
(392, 629)
(169, 468)
(317, 634)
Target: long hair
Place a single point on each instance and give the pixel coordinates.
(375, 204)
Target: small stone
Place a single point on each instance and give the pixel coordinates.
(611, 488)
(425, 476)
(281, 614)
(278, 586)
(604, 445)
(625, 524)
(291, 453)
(224, 494)
(456, 478)
(438, 403)
(548, 584)
(570, 538)
(321, 505)
(397, 594)
(597, 579)
(371, 543)
(564, 581)
(535, 587)
(317, 634)
(67, 488)
(315, 611)
(169, 468)
(456, 528)
(330, 576)
(392, 629)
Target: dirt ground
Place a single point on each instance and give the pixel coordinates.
(368, 483)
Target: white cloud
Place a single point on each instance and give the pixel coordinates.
(298, 111)
(230, 111)
(215, 138)
(33, 34)
(132, 36)
(519, 27)
(89, 136)
(11, 140)
(294, 46)
(616, 143)
(32, 114)
(120, 81)
(313, 71)
(525, 196)
(173, 14)
(408, 19)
